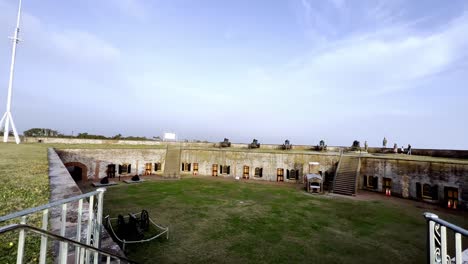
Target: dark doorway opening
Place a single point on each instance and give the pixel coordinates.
(76, 173)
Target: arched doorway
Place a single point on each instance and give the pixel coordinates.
(78, 171)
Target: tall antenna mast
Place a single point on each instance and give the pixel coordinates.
(7, 118)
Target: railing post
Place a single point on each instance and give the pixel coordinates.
(45, 221)
(63, 252)
(78, 230)
(430, 245)
(97, 234)
(22, 236)
(443, 243)
(90, 226)
(458, 248)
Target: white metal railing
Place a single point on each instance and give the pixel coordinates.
(437, 240)
(93, 228)
(79, 247)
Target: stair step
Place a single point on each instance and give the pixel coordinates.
(345, 181)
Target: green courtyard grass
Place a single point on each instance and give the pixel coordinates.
(230, 222)
(220, 221)
(24, 184)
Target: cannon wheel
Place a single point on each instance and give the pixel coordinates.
(144, 220)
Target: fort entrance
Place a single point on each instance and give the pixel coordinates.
(78, 171)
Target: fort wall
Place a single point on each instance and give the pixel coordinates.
(410, 176)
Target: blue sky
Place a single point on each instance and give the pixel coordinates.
(273, 70)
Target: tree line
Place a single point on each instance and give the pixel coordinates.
(47, 132)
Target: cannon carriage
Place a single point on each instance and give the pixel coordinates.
(287, 145)
(135, 228)
(225, 143)
(254, 144)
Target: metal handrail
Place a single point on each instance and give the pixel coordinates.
(47, 206)
(455, 228)
(437, 245)
(13, 227)
(93, 229)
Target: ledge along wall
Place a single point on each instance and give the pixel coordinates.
(404, 171)
(63, 186)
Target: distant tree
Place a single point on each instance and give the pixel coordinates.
(118, 136)
(9, 133)
(41, 132)
(82, 135)
(85, 135)
(135, 138)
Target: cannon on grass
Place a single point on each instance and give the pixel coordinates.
(321, 146)
(356, 146)
(225, 143)
(135, 228)
(254, 144)
(286, 145)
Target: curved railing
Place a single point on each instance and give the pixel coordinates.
(83, 249)
(437, 240)
(92, 227)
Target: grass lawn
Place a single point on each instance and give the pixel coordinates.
(237, 222)
(230, 222)
(24, 184)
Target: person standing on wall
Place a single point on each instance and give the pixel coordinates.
(409, 149)
(384, 143)
(395, 148)
(402, 149)
(366, 146)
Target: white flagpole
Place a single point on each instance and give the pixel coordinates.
(7, 117)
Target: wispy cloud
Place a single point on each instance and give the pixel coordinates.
(72, 45)
(132, 8)
(384, 60)
(81, 46)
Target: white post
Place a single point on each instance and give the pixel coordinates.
(431, 242)
(458, 248)
(90, 226)
(22, 236)
(45, 220)
(97, 235)
(78, 230)
(7, 117)
(63, 252)
(443, 243)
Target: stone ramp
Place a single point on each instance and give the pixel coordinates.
(172, 163)
(346, 175)
(63, 186)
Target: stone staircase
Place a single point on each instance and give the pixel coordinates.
(346, 175)
(172, 163)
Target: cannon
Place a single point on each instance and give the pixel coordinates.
(321, 146)
(254, 144)
(225, 143)
(136, 178)
(286, 145)
(134, 228)
(356, 145)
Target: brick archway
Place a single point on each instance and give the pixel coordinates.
(84, 169)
